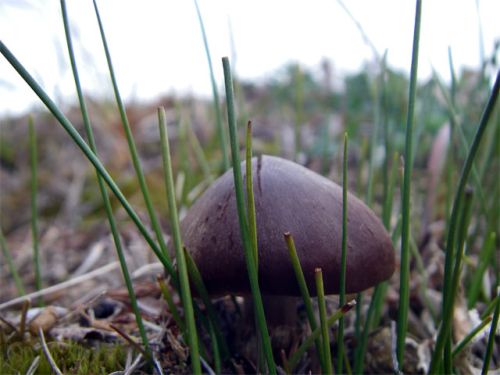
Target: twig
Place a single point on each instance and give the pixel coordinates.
(10, 325)
(58, 287)
(47, 354)
(129, 339)
(24, 313)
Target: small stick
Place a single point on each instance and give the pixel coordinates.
(9, 324)
(129, 339)
(58, 287)
(24, 313)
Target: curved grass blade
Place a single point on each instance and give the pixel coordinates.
(245, 236)
(404, 298)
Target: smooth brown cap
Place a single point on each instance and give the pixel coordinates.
(288, 198)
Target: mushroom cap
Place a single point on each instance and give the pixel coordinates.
(288, 198)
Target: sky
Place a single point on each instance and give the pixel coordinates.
(157, 47)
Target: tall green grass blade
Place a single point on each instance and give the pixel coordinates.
(491, 339)
(34, 205)
(187, 301)
(343, 262)
(325, 336)
(304, 291)
(245, 235)
(10, 264)
(102, 188)
(404, 299)
(130, 140)
(444, 330)
(470, 336)
(252, 222)
(215, 92)
(484, 258)
(89, 154)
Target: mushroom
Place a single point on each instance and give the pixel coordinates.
(288, 198)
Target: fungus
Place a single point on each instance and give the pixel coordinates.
(288, 198)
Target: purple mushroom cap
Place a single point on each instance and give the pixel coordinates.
(288, 198)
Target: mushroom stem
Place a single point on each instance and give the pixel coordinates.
(280, 310)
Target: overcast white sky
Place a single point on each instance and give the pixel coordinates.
(157, 47)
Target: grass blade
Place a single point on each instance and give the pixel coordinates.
(327, 355)
(447, 309)
(343, 262)
(187, 301)
(252, 223)
(306, 297)
(245, 236)
(404, 298)
(130, 141)
(467, 339)
(102, 188)
(34, 206)
(215, 92)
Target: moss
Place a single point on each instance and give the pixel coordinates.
(70, 357)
